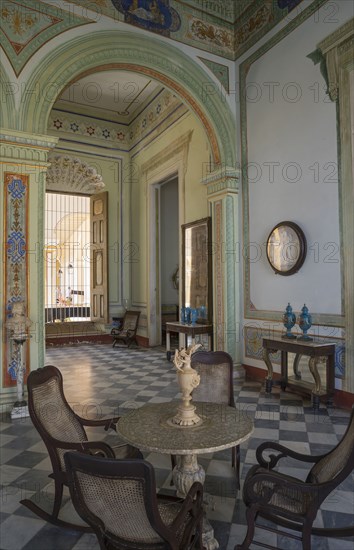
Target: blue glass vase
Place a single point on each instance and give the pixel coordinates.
(194, 316)
(183, 315)
(305, 322)
(289, 320)
(188, 315)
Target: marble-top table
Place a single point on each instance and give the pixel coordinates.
(149, 428)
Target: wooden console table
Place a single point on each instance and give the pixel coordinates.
(185, 331)
(316, 350)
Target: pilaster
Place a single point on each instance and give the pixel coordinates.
(23, 166)
(338, 50)
(223, 198)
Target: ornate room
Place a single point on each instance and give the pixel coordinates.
(178, 269)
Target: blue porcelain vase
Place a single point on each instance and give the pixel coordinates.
(305, 322)
(289, 320)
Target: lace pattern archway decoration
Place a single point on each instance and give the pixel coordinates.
(71, 175)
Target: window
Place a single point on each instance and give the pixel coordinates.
(67, 257)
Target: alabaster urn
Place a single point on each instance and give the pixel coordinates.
(188, 379)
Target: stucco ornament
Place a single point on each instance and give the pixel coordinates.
(188, 379)
(18, 323)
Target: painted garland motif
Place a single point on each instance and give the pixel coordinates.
(15, 265)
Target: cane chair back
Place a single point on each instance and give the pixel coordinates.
(332, 464)
(50, 411)
(290, 502)
(216, 377)
(119, 501)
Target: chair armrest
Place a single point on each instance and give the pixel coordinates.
(87, 447)
(271, 461)
(193, 503)
(106, 422)
(275, 481)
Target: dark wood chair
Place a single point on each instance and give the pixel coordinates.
(61, 430)
(118, 500)
(126, 334)
(291, 502)
(216, 386)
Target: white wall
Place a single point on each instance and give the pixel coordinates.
(291, 124)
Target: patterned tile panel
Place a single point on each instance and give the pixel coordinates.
(15, 266)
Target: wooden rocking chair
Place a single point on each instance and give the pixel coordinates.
(127, 332)
(63, 430)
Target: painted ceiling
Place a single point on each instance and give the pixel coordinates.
(118, 96)
(226, 28)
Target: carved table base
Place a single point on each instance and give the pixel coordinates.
(184, 475)
(318, 352)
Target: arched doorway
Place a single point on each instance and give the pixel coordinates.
(86, 55)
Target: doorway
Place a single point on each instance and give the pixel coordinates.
(169, 253)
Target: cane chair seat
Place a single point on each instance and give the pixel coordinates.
(118, 499)
(61, 430)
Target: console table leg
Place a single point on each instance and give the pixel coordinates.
(168, 345)
(315, 394)
(269, 377)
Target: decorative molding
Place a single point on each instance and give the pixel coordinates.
(26, 26)
(333, 47)
(221, 72)
(71, 175)
(338, 49)
(222, 27)
(219, 308)
(224, 179)
(174, 69)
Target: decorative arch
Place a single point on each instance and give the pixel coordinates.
(7, 104)
(71, 175)
(107, 50)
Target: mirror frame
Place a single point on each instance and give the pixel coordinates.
(301, 253)
(197, 256)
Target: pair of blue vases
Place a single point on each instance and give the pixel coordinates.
(189, 316)
(305, 322)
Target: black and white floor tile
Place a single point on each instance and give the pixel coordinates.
(102, 380)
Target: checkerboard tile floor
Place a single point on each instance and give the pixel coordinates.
(102, 380)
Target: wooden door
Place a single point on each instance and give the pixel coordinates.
(99, 257)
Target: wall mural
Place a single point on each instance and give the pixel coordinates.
(26, 26)
(153, 15)
(15, 265)
(223, 27)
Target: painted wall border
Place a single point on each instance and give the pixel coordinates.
(249, 311)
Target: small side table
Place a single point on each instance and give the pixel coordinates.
(185, 331)
(318, 351)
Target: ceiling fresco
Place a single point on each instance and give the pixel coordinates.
(25, 26)
(226, 28)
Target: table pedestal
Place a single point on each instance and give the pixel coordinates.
(184, 474)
